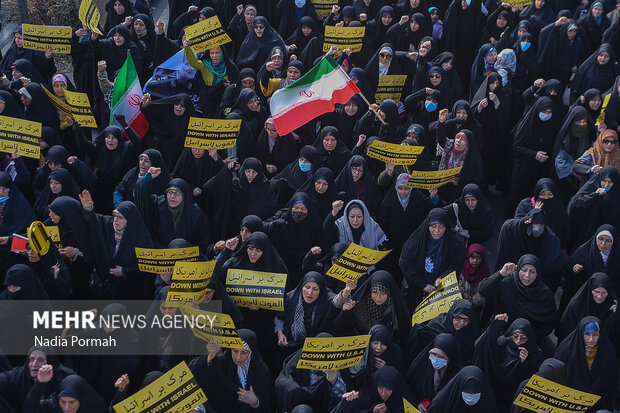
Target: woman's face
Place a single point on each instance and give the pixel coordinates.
(461, 114)
(292, 73)
(111, 142)
(435, 78)
(305, 161)
(59, 88)
(139, 27)
(600, 295)
(119, 40)
(356, 217)
(310, 292)
(119, 8)
(501, 22)
(437, 230)
(597, 11)
(179, 109)
(403, 191)
(386, 19)
(240, 356)
(475, 259)
(277, 61)
(384, 58)
(216, 55)
(447, 65)
(198, 153)
(70, 404)
(602, 58)
(249, 14)
(414, 26)
(491, 57)
(208, 295)
(384, 393)
(603, 242)
(595, 103)
(546, 194)
(250, 174)
(414, 3)
(166, 312)
(591, 339)
(379, 297)
(119, 222)
(607, 183)
(609, 144)
(539, 3)
(493, 85)
(272, 132)
(321, 185)
(254, 104)
(254, 254)
(36, 359)
(174, 197)
(25, 101)
(259, 29)
(460, 321)
(519, 337)
(4, 191)
(306, 30)
(357, 172)
(144, 164)
(55, 186)
(19, 40)
(527, 274)
(244, 233)
(460, 142)
(329, 143)
(471, 202)
(54, 217)
(248, 83)
(350, 109)
(378, 347)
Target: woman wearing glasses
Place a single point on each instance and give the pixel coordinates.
(604, 151)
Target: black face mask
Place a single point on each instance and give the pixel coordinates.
(298, 216)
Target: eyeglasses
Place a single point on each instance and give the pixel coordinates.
(461, 320)
(519, 337)
(174, 193)
(385, 55)
(610, 141)
(357, 170)
(435, 76)
(271, 129)
(259, 26)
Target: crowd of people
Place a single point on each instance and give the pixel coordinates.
(525, 99)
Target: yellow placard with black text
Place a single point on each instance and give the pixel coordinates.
(332, 353)
(324, 7)
(212, 133)
(90, 16)
(260, 289)
(344, 37)
(438, 301)
(519, 3)
(20, 135)
(206, 34)
(390, 87)
(43, 38)
(432, 179)
(81, 111)
(209, 326)
(540, 395)
(189, 282)
(175, 391)
(162, 260)
(355, 262)
(396, 154)
(409, 408)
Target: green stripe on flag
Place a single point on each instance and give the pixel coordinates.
(327, 65)
(125, 80)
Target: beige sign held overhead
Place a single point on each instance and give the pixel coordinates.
(20, 135)
(43, 38)
(212, 133)
(344, 37)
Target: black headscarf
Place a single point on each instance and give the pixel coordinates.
(284, 150)
(366, 189)
(71, 221)
(476, 222)
(40, 108)
(269, 261)
(293, 175)
(195, 171)
(550, 369)
(75, 386)
(322, 202)
(336, 159)
(111, 165)
(532, 134)
(114, 55)
(573, 139)
(114, 19)
(127, 185)
(17, 213)
(602, 378)
(449, 78)
(257, 196)
(588, 96)
(70, 188)
(592, 75)
(298, 38)
(27, 68)
(254, 49)
(11, 107)
(393, 355)
(593, 29)
(471, 380)
(23, 276)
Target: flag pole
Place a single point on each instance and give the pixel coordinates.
(371, 108)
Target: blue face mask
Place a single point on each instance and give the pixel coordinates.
(305, 167)
(470, 399)
(544, 116)
(438, 363)
(606, 190)
(430, 106)
(525, 45)
(4, 199)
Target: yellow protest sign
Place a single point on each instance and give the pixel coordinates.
(162, 260)
(212, 133)
(390, 87)
(324, 7)
(261, 289)
(175, 391)
(432, 179)
(333, 353)
(438, 301)
(38, 238)
(354, 262)
(81, 112)
(189, 282)
(344, 38)
(57, 38)
(409, 408)
(519, 3)
(20, 135)
(391, 152)
(54, 234)
(90, 16)
(541, 394)
(206, 34)
(58, 104)
(211, 326)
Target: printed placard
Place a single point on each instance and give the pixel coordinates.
(332, 353)
(90, 16)
(391, 152)
(219, 327)
(344, 37)
(81, 111)
(355, 262)
(20, 135)
(432, 179)
(541, 394)
(175, 391)
(390, 87)
(324, 7)
(439, 300)
(260, 289)
(43, 38)
(58, 104)
(189, 282)
(212, 133)
(206, 34)
(162, 260)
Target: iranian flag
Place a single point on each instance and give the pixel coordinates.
(127, 97)
(311, 95)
